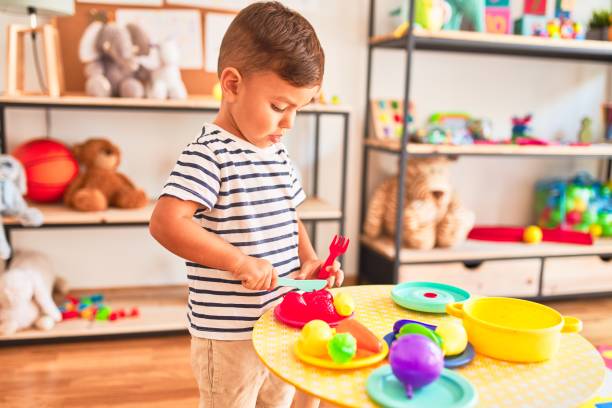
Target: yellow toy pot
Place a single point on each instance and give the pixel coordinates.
(513, 329)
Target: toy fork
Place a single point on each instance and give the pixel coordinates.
(337, 247)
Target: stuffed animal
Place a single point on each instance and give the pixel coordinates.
(472, 10)
(99, 185)
(165, 76)
(111, 55)
(432, 214)
(26, 294)
(12, 204)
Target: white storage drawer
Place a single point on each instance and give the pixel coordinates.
(518, 277)
(579, 274)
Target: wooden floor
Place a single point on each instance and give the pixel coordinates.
(154, 372)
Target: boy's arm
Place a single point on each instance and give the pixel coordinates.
(305, 250)
(173, 227)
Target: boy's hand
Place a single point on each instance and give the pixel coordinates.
(255, 273)
(310, 269)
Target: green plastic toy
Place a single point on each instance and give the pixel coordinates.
(342, 348)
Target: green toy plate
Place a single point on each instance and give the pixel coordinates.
(428, 297)
(449, 391)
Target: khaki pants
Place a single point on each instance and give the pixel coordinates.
(229, 374)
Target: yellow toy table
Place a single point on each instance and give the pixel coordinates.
(573, 376)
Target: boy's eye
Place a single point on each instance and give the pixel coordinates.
(277, 109)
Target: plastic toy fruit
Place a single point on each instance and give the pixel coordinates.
(532, 234)
(344, 304)
(342, 348)
(314, 338)
(454, 338)
(293, 305)
(416, 361)
(414, 328)
(320, 305)
(366, 340)
(399, 323)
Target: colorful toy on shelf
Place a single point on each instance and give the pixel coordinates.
(577, 204)
(472, 11)
(93, 308)
(342, 348)
(520, 127)
(517, 234)
(585, 134)
(433, 215)
(49, 167)
(531, 25)
(533, 234)
(537, 7)
(416, 361)
(513, 330)
(297, 309)
(455, 125)
(387, 118)
(12, 188)
(497, 17)
(564, 8)
(429, 15)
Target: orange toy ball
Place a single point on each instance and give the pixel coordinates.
(49, 166)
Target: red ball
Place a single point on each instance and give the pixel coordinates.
(49, 166)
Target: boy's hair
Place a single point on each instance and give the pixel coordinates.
(269, 36)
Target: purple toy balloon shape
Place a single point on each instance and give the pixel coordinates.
(416, 361)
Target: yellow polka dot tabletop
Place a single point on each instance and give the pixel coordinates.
(571, 377)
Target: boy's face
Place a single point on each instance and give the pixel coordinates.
(263, 106)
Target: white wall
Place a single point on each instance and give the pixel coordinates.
(558, 93)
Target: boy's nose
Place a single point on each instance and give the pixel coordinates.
(287, 121)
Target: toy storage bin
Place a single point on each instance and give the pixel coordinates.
(492, 278)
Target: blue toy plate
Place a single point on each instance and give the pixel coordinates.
(449, 391)
(428, 297)
(449, 362)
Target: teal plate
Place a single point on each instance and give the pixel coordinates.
(449, 391)
(427, 297)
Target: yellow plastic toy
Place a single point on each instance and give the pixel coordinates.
(344, 304)
(454, 338)
(513, 329)
(533, 234)
(361, 359)
(217, 92)
(314, 338)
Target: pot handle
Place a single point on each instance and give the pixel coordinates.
(571, 325)
(455, 309)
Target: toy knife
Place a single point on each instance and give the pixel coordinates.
(306, 285)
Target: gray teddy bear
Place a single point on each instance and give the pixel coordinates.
(12, 204)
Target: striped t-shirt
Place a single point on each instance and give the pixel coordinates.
(247, 196)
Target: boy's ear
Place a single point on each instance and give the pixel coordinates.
(230, 81)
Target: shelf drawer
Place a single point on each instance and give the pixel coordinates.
(492, 278)
(580, 274)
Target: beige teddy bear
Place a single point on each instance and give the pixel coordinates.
(433, 216)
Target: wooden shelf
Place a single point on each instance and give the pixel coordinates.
(500, 44)
(60, 215)
(473, 250)
(193, 103)
(393, 145)
(162, 309)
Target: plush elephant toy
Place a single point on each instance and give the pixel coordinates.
(12, 204)
(472, 10)
(111, 54)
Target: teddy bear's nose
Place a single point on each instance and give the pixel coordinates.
(108, 152)
(437, 194)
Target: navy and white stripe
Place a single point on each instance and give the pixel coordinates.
(248, 196)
